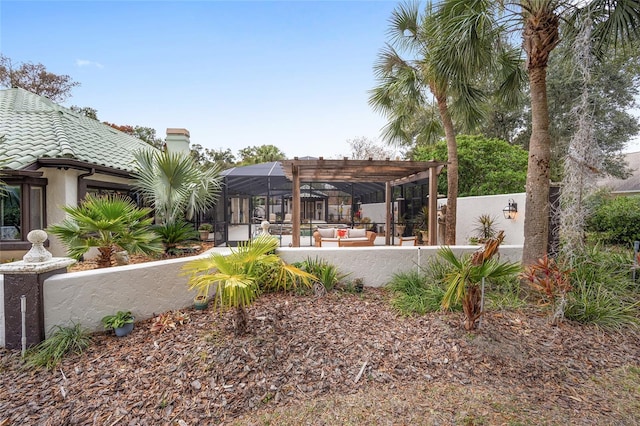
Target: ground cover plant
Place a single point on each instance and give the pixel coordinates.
(62, 342)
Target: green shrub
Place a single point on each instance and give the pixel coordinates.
(603, 292)
(594, 303)
(415, 293)
(63, 341)
(325, 273)
(615, 220)
(504, 293)
(175, 233)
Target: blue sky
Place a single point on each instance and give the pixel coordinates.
(294, 74)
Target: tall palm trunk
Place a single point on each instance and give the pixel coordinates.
(540, 38)
(536, 221)
(452, 170)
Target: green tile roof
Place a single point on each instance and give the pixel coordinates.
(34, 127)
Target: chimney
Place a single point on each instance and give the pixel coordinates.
(177, 140)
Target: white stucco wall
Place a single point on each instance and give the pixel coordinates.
(152, 288)
(470, 208)
(376, 265)
(144, 289)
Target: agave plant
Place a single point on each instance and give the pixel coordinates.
(109, 223)
(467, 274)
(236, 278)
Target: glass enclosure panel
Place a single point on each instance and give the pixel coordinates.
(10, 216)
(36, 205)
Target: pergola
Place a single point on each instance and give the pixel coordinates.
(392, 173)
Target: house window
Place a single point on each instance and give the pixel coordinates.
(10, 213)
(22, 209)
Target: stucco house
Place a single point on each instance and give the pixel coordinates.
(628, 186)
(51, 156)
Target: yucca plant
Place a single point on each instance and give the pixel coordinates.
(236, 278)
(109, 223)
(63, 341)
(467, 274)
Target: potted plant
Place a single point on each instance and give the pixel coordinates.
(200, 301)
(121, 323)
(400, 226)
(422, 225)
(204, 231)
(485, 227)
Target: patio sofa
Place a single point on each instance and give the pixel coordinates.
(352, 237)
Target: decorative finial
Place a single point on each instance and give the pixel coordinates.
(37, 253)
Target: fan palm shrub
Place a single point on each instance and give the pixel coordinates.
(175, 185)
(467, 274)
(109, 223)
(236, 278)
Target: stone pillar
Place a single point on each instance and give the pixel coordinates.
(26, 278)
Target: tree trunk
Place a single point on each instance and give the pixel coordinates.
(452, 170)
(471, 306)
(540, 37)
(536, 223)
(104, 260)
(240, 321)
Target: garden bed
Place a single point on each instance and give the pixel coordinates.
(343, 358)
(191, 250)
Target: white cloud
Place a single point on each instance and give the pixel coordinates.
(87, 63)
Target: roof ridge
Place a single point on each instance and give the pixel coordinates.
(66, 149)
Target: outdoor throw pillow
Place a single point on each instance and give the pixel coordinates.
(357, 233)
(326, 232)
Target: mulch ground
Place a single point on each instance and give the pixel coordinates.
(345, 350)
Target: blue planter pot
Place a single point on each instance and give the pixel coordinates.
(124, 330)
(200, 303)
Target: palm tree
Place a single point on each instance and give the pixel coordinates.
(237, 278)
(175, 185)
(455, 44)
(109, 223)
(614, 22)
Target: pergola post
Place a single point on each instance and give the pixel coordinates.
(295, 209)
(388, 209)
(433, 206)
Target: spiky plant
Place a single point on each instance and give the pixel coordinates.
(108, 223)
(236, 277)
